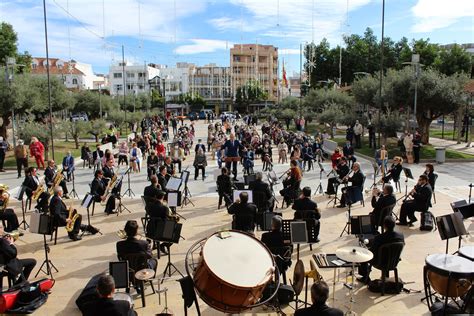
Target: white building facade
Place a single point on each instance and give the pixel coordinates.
(136, 78)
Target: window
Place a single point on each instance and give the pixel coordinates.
(34, 65)
(236, 58)
(118, 87)
(130, 75)
(74, 81)
(141, 75)
(130, 87)
(117, 75)
(140, 87)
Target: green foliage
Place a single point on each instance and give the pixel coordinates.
(117, 117)
(321, 99)
(98, 127)
(453, 60)
(8, 42)
(331, 116)
(250, 92)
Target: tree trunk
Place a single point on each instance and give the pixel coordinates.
(4, 126)
(459, 120)
(424, 126)
(76, 141)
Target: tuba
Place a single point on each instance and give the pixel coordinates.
(108, 189)
(4, 197)
(58, 177)
(73, 215)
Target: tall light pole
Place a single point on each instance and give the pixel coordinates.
(100, 100)
(415, 61)
(49, 79)
(11, 62)
(381, 71)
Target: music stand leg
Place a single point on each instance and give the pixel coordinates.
(73, 191)
(129, 189)
(170, 266)
(319, 189)
(47, 263)
(23, 213)
(120, 208)
(186, 199)
(347, 228)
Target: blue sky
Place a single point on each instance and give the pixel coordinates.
(170, 31)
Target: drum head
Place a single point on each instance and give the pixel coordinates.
(238, 259)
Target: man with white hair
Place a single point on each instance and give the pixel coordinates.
(60, 213)
(3, 151)
(68, 165)
(21, 156)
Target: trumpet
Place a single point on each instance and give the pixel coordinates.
(13, 234)
(123, 235)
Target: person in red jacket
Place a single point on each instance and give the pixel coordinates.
(37, 151)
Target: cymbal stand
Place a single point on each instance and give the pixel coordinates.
(47, 263)
(351, 293)
(73, 191)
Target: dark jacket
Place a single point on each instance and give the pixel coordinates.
(49, 176)
(263, 189)
(383, 239)
(133, 246)
(58, 210)
(97, 154)
(151, 191)
(342, 170)
(108, 307)
(157, 209)
(97, 189)
(273, 239)
(244, 215)
(422, 197)
(30, 184)
(395, 171)
(8, 257)
(231, 148)
(108, 172)
(348, 151)
(224, 184)
(305, 208)
(319, 310)
(152, 161)
(202, 146)
(162, 181)
(357, 179)
(380, 203)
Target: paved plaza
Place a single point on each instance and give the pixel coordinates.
(78, 261)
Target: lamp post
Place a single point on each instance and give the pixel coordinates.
(415, 62)
(100, 100)
(49, 79)
(381, 72)
(11, 62)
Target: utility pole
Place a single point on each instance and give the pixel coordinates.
(123, 79)
(49, 79)
(381, 72)
(11, 62)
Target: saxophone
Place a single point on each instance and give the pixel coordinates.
(108, 189)
(73, 215)
(4, 197)
(58, 177)
(37, 193)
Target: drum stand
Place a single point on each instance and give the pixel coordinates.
(47, 263)
(73, 191)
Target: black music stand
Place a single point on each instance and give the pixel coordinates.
(319, 189)
(129, 189)
(44, 226)
(171, 233)
(470, 191)
(187, 193)
(73, 192)
(120, 207)
(174, 199)
(335, 199)
(408, 175)
(24, 205)
(451, 226)
(86, 203)
(298, 235)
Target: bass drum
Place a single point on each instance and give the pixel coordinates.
(233, 270)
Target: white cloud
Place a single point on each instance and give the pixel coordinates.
(437, 14)
(202, 46)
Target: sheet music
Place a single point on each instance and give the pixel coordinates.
(172, 199)
(87, 200)
(173, 184)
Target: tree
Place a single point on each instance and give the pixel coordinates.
(331, 116)
(38, 130)
(321, 99)
(453, 60)
(427, 51)
(250, 92)
(98, 127)
(79, 128)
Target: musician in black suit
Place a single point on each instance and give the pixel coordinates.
(97, 157)
(348, 152)
(244, 213)
(151, 164)
(105, 303)
(307, 210)
(231, 155)
(98, 187)
(357, 181)
(158, 208)
(341, 169)
(108, 170)
(60, 214)
(388, 236)
(31, 184)
(152, 190)
(132, 245)
(319, 296)
(274, 238)
(264, 191)
(394, 171)
(50, 173)
(162, 180)
(199, 145)
(420, 202)
(13, 265)
(380, 200)
(224, 187)
(169, 168)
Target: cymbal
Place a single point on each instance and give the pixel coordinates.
(298, 277)
(144, 274)
(354, 254)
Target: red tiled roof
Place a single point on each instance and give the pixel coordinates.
(54, 69)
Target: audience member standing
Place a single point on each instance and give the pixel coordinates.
(37, 151)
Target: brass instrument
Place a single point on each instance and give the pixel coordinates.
(4, 198)
(287, 173)
(123, 235)
(108, 189)
(13, 234)
(37, 193)
(73, 216)
(58, 177)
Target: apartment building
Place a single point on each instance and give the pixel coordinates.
(136, 77)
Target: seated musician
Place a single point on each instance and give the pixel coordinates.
(68, 165)
(152, 190)
(319, 296)
(170, 171)
(420, 202)
(244, 213)
(18, 269)
(429, 172)
(159, 209)
(98, 187)
(224, 187)
(274, 238)
(380, 200)
(348, 152)
(132, 245)
(105, 304)
(388, 236)
(31, 184)
(50, 174)
(395, 170)
(7, 214)
(177, 156)
(162, 179)
(291, 184)
(357, 181)
(60, 214)
(151, 164)
(341, 169)
(307, 209)
(263, 188)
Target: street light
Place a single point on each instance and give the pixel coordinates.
(415, 61)
(11, 62)
(100, 101)
(167, 77)
(49, 79)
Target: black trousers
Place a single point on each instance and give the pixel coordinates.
(357, 139)
(21, 164)
(122, 158)
(151, 171)
(408, 210)
(12, 220)
(27, 265)
(196, 172)
(2, 158)
(234, 167)
(177, 162)
(372, 140)
(331, 183)
(416, 153)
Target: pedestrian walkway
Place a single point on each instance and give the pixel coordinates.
(452, 144)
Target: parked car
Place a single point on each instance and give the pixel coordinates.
(203, 114)
(193, 116)
(81, 116)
